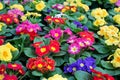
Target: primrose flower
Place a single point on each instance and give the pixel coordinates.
(116, 60)
(2, 68)
(40, 6)
(74, 48)
(41, 51)
(5, 53)
(14, 66)
(15, 12)
(56, 33)
(17, 6)
(68, 31)
(71, 39)
(1, 6)
(117, 3)
(58, 6)
(57, 77)
(10, 77)
(99, 13)
(116, 18)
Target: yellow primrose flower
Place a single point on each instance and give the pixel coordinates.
(108, 31)
(99, 13)
(1, 6)
(11, 47)
(116, 18)
(65, 3)
(17, 6)
(113, 1)
(1, 76)
(5, 54)
(73, 9)
(23, 18)
(112, 41)
(116, 60)
(82, 17)
(85, 7)
(117, 9)
(102, 32)
(33, 14)
(99, 22)
(57, 77)
(40, 6)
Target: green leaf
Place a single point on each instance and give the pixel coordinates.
(112, 72)
(101, 49)
(61, 53)
(107, 65)
(28, 8)
(38, 39)
(59, 61)
(64, 47)
(82, 75)
(36, 73)
(29, 52)
(72, 60)
(15, 54)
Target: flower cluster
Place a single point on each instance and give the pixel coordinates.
(6, 70)
(6, 52)
(116, 58)
(55, 20)
(69, 8)
(27, 27)
(81, 64)
(99, 14)
(57, 77)
(53, 46)
(111, 34)
(85, 40)
(100, 76)
(58, 6)
(77, 3)
(9, 19)
(41, 64)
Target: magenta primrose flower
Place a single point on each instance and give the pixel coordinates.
(117, 3)
(68, 31)
(56, 33)
(15, 12)
(74, 48)
(71, 39)
(80, 42)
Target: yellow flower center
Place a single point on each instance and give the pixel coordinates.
(1, 76)
(49, 67)
(56, 20)
(74, 49)
(56, 34)
(43, 49)
(40, 65)
(8, 19)
(14, 65)
(31, 30)
(5, 54)
(53, 48)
